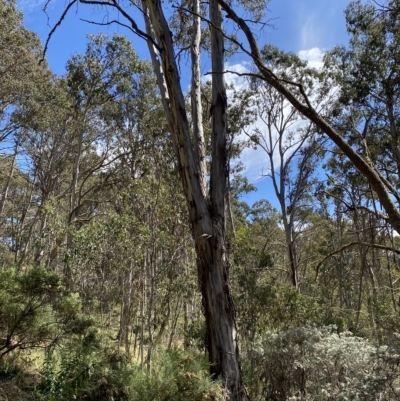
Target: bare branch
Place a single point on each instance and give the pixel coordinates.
(61, 19)
(107, 23)
(343, 248)
(135, 28)
(239, 74)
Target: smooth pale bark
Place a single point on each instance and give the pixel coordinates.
(288, 218)
(197, 112)
(284, 151)
(9, 178)
(207, 217)
(125, 317)
(75, 176)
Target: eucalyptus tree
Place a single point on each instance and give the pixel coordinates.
(208, 220)
(70, 138)
(97, 79)
(291, 144)
(20, 77)
(359, 264)
(206, 208)
(19, 65)
(367, 75)
(367, 114)
(132, 207)
(294, 92)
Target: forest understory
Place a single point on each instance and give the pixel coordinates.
(132, 267)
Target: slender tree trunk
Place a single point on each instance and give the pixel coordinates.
(174, 322)
(9, 178)
(229, 208)
(21, 227)
(293, 265)
(75, 178)
(142, 314)
(360, 286)
(151, 264)
(126, 307)
(288, 224)
(391, 286)
(39, 252)
(30, 235)
(197, 113)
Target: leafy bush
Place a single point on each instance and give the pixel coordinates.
(82, 370)
(310, 364)
(86, 372)
(177, 376)
(35, 309)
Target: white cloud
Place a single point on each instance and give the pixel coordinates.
(314, 57)
(240, 82)
(310, 30)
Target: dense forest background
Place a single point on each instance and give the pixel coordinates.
(99, 291)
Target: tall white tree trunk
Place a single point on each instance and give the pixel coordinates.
(197, 112)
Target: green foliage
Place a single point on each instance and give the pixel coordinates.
(272, 305)
(196, 334)
(366, 74)
(106, 71)
(82, 370)
(20, 50)
(123, 251)
(177, 376)
(309, 363)
(36, 311)
(7, 370)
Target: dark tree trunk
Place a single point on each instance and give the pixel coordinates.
(207, 217)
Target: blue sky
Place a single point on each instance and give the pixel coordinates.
(298, 25)
(306, 27)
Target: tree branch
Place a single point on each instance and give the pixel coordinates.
(135, 28)
(377, 246)
(61, 19)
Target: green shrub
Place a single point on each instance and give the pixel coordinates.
(82, 370)
(86, 372)
(177, 376)
(35, 309)
(310, 364)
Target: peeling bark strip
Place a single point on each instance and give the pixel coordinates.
(207, 217)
